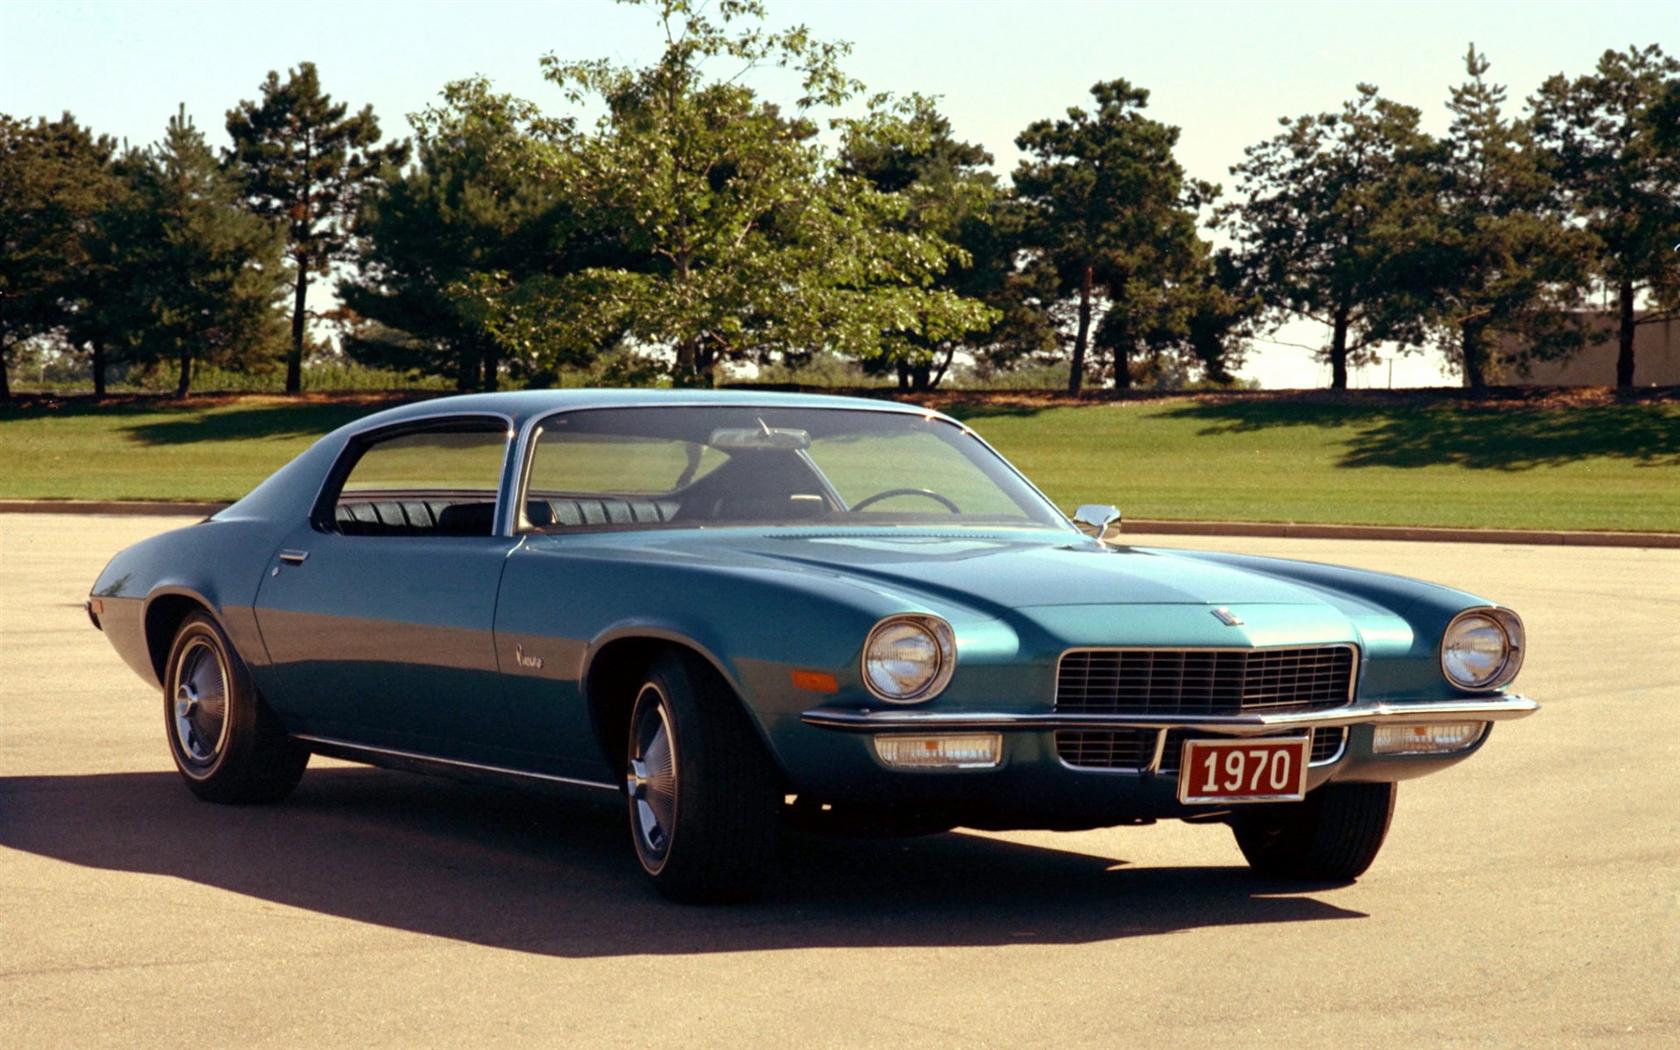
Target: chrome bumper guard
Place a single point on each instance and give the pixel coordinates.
(1480, 709)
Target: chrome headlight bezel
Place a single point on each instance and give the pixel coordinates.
(945, 648)
(1510, 627)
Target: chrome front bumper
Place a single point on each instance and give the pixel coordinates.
(1479, 709)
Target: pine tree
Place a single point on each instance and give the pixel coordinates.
(54, 177)
(1331, 219)
(305, 162)
(203, 275)
(483, 198)
(1504, 260)
(1109, 210)
(1611, 135)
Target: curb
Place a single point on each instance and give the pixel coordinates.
(1272, 530)
(136, 507)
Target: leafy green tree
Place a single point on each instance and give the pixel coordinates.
(96, 302)
(202, 275)
(1112, 214)
(305, 161)
(54, 177)
(1504, 260)
(907, 148)
(744, 242)
(1611, 134)
(483, 212)
(1217, 314)
(1333, 217)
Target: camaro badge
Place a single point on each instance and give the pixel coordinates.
(1227, 617)
(533, 662)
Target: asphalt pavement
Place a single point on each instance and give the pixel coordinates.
(1529, 897)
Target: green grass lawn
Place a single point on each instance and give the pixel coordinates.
(1419, 461)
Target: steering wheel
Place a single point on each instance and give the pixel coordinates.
(924, 493)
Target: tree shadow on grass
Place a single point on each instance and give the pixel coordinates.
(981, 408)
(166, 421)
(1494, 437)
(244, 424)
(555, 877)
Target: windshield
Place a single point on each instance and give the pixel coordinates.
(704, 465)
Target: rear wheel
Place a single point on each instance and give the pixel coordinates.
(227, 744)
(702, 795)
(1332, 835)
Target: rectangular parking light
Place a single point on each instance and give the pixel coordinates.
(1440, 739)
(946, 751)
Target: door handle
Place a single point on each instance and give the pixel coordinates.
(293, 557)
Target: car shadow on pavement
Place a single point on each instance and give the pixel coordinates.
(555, 876)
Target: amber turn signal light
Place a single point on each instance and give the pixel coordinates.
(816, 681)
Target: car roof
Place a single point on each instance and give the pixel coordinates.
(521, 405)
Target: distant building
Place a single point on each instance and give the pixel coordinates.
(1656, 356)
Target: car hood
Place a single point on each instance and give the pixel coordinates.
(1002, 572)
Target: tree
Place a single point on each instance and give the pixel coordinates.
(1612, 138)
(54, 176)
(306, 163)
(1333, 215)
(484, 208)
(96, 296)
(1217, 316)
(202, 274)
(1503, 259)
(907, 148)
(1110, 210)
(744, 242)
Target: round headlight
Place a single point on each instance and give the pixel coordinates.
(909, 658)
(1481, 649)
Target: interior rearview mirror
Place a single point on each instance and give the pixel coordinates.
(760, 438)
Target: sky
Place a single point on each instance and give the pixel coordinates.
(1224, 73)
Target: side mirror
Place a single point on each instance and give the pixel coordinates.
(1098, 520)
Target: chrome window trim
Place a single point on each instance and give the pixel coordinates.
(1353, 678)
(424, 421)
(525, 446)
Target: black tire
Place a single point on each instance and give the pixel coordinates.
(704, 811)
(1332, 835)
(228, 746)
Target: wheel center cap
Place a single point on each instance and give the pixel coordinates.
(185, 703)
(635, 780)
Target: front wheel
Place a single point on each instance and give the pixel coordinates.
(1332, 835)
(703, 799)
(227, 744)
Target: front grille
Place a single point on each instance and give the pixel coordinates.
(1327, 744)
(1203, 681)
(1107, 748)
(1134, 748)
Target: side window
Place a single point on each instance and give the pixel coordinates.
(440, 481)
(603, 478)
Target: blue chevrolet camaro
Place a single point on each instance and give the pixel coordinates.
(741, 610)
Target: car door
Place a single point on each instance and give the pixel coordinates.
(378, 614)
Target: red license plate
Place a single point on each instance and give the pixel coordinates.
(1271, 769)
